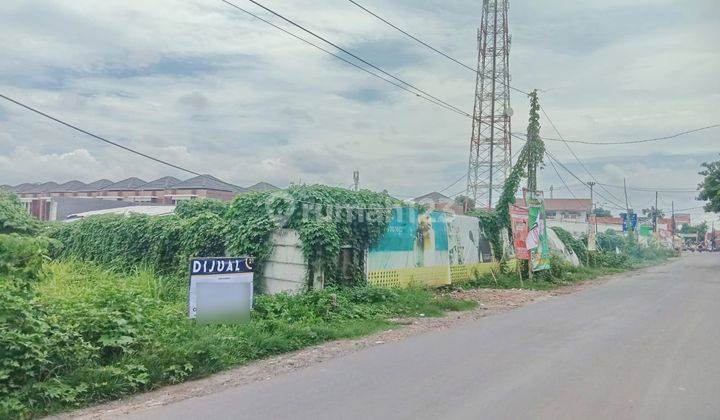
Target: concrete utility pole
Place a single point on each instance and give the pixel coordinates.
(356, 179)
(655, 213)
(551, 192)
(591, 184)
(672, 221)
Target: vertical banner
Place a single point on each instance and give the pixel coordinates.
(536, 241)
(519, 224)
(592, 228)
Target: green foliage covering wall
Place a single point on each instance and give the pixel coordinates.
(326, 218)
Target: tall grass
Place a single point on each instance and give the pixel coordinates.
(133, 333)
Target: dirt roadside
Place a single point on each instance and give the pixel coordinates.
(490, 302)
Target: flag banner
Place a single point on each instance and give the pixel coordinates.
(592, 228)
(536, 241)
(519, 224)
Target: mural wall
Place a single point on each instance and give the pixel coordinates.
(429, 248)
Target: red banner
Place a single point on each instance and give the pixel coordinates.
(519, 222)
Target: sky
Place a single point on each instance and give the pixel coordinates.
(209, 88)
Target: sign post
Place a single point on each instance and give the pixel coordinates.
(221, 289)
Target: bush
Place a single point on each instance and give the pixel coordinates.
(84, 333)
(576, 245)
(13, 216)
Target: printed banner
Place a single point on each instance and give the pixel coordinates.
(467, 244)
(536, 240)
(519, 223)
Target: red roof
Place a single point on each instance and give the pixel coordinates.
(564, 204)
(609, 220)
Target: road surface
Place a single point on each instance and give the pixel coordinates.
(644, 345)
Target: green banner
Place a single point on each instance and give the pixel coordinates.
(537, 241)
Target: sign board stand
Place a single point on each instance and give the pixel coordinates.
(221, 289)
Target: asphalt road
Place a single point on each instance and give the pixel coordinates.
(645, 345)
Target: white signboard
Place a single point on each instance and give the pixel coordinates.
(221, 289)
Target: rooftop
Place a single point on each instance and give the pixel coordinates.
(434, 196)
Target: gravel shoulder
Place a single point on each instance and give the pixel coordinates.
(490, 302)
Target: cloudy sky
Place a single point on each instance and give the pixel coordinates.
(202, 85)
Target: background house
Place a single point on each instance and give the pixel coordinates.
(54, 201)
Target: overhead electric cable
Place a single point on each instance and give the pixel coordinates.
(95, 136)
(620, 142)
(425, 44)
(574, 154)
(615, 204)
(464, 114)
(351, 54)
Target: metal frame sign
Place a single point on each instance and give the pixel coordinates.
(221, 289)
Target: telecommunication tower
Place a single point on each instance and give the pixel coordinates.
(490, 145)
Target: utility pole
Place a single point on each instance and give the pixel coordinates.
(356, 179)
(551, 192)
(655, 213)
(591, 184)
(672, 220)
(628, 219)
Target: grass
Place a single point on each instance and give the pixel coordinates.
(130, 333)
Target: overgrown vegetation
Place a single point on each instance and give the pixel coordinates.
(325, 217)
(76, 333)
(109, 318)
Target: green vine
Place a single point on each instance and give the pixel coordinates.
(327, 219)
(530, 157)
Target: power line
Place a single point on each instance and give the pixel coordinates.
(652, 189)
(611, 202)
(574, 154)
(95, 136)
(425, 44)
(458, 180)
(620, 142)
(362, 60)
(343, 59)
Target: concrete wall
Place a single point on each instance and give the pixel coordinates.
(286, 269)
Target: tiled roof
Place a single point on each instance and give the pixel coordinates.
(262, 186)
(97, 185)
(161, 183)
(602, 220)
(22, 187)
(206, 182)
(131, 183)
(434, 196)
(74, 185)
(41, 188)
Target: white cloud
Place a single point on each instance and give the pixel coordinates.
(208, 87)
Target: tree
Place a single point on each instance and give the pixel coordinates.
(700, 229)
(653, 214)
(710, 186)
(601, 212)
(460, 201)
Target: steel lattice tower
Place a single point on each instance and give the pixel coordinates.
(490, 145)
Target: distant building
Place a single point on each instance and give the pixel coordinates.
(41, 199)
(438, 201)
(572, 209)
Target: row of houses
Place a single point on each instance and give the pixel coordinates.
(55, 201)
(570, 214)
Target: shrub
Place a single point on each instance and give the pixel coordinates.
(13, 216)
(576, 245)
